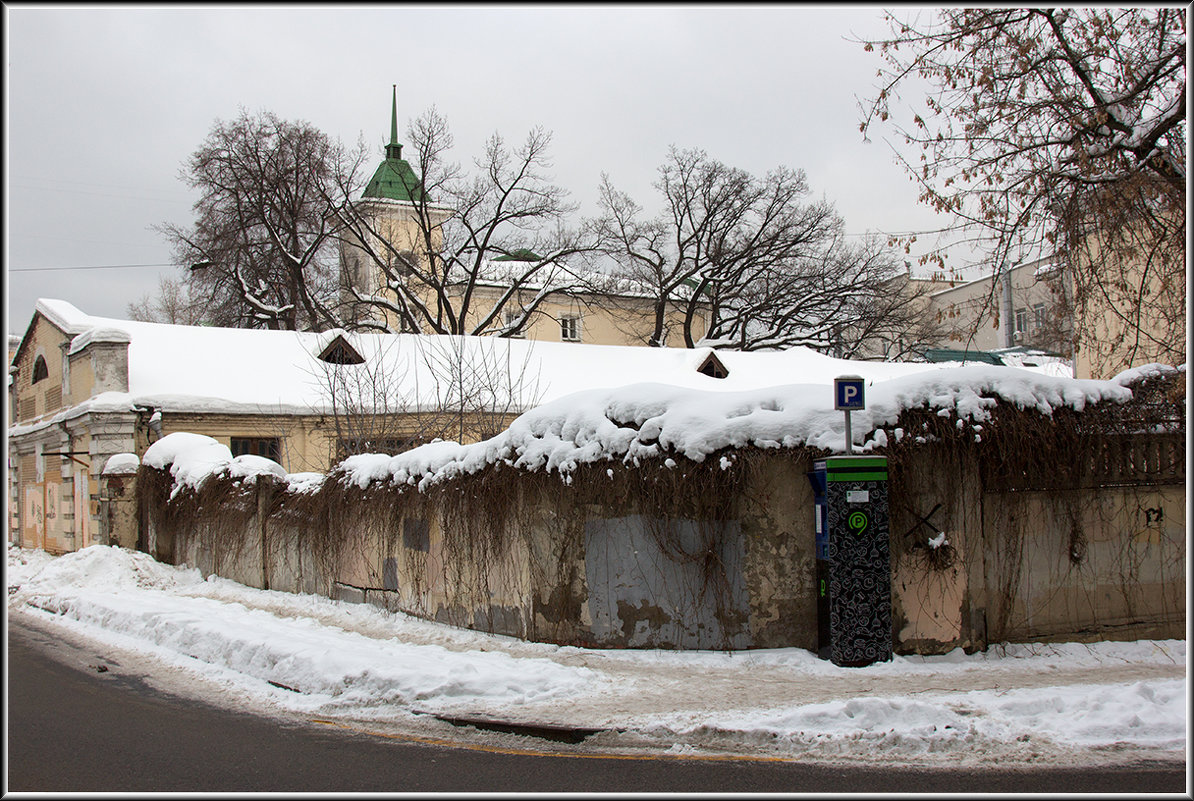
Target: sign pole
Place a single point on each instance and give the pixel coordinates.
(849, 394)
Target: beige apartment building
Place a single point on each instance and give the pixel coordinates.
(1027, 308)
(1138, 314)
(1034, 308)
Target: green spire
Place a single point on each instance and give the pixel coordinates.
(394, 178)
(393, 149)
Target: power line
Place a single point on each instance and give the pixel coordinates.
(87, 267)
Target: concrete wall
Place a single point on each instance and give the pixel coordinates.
(1025, 564)
(1085, 562)
(568, 564)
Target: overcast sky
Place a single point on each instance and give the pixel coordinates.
(103, 105)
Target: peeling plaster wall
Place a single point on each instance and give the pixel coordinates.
(555, 567)
(1088, 562)
(666, 583)
(934, 608)
(777, 517)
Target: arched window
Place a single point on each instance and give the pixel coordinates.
(40, 370)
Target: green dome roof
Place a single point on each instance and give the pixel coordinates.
(394, 178)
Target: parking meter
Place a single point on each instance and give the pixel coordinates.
(853, 560)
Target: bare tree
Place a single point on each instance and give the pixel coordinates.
(370, 404)
(479, 384)
(173, 304)
(886, 315)
(741, 262)
(1056, 129)
(265, 224)
(481, 253)
(414, 390)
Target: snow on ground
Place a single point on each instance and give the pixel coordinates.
(311, 656)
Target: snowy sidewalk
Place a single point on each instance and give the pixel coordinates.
(318, 658)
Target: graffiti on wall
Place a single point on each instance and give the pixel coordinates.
(33, 534)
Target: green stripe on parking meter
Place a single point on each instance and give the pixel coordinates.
(856, 468)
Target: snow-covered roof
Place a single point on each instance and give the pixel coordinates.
(583, 403)
(230, 370)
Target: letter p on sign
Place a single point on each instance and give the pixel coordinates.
(848, 393)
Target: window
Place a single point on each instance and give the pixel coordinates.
(570, 328)
(269, 447)
(340, 352)
(511, 319)
(1038, 316)
(713, 367)
(1021, 320)
(40, 371)
(350, 446)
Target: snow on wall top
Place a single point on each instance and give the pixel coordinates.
(121, 464)
(648, 421)
(645, 421)
(192, 458)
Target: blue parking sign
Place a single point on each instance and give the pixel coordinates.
(848, 393)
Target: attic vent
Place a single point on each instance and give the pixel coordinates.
(340, 352)
(40, 371)
(713, 367)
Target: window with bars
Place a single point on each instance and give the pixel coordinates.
(350, 446)
(1038, 316)
(269, 447)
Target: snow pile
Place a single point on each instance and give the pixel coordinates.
(1148, 714)
(23, 563)
(645, 421)
(192, 458)
(122, 463)
(1038, 703)
(131, 594)
(109, 567)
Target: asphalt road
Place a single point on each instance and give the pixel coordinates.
(73, 727)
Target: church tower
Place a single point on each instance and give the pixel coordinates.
(394, 178)
(393, 204)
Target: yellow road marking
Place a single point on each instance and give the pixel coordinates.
(528, 752)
